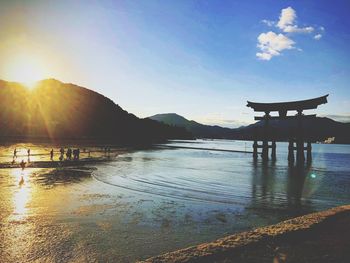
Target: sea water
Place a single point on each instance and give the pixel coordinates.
(145, 202)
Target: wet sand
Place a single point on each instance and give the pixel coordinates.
(57, 164)
(317, 237)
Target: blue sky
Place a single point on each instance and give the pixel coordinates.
(196, 58)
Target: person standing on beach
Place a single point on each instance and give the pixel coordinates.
(23, 165)
(62, 153)
(69, 154)
(28, 152)
(51, 155)
(15, 153)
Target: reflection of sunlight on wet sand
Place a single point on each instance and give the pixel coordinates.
(37, 153)
(22, 194)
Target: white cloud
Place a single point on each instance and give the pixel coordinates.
(296, 29)
(318, 36)
(268, 22)
(263, 56)
(272, 44)
(287, 18)
(287, 22)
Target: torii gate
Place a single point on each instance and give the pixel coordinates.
(282, 108)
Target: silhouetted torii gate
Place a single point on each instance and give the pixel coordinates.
(282, 108)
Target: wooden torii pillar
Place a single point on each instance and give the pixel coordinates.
(282, 108)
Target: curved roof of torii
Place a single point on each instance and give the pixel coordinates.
(290, 105)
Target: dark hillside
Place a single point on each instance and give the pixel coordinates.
(59, 111)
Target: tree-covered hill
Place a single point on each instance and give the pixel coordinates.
(57, 111)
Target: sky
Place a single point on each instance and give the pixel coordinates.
(200, 59)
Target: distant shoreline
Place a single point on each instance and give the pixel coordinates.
(73, 140)
(317, 237)
(109, 141)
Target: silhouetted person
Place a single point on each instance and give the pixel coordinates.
(51, 155)
(28, 154)
(76, 153)
(23, 165)
(15, 153)
(69, 154)
(62, 154)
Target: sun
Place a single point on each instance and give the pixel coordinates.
(25, 69)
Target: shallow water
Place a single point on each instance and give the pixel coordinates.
(147, 202)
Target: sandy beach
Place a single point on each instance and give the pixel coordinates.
(316, 237)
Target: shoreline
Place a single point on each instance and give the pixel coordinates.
(56, 164)
(317, 237)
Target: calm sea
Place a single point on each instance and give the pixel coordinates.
(147, 202)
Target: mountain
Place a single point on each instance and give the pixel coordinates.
(316, 129)
(61, 111)
(197, 129)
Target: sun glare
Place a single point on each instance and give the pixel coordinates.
(22, 194)
(26, 70)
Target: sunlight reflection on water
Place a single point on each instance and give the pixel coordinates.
(22, 194)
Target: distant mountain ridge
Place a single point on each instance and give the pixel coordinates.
(58, 111)
(316, 129)
(197, 129)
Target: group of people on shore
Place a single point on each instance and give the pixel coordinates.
(75, 153)
(15, 153)
(69, 154)
(22, 163)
